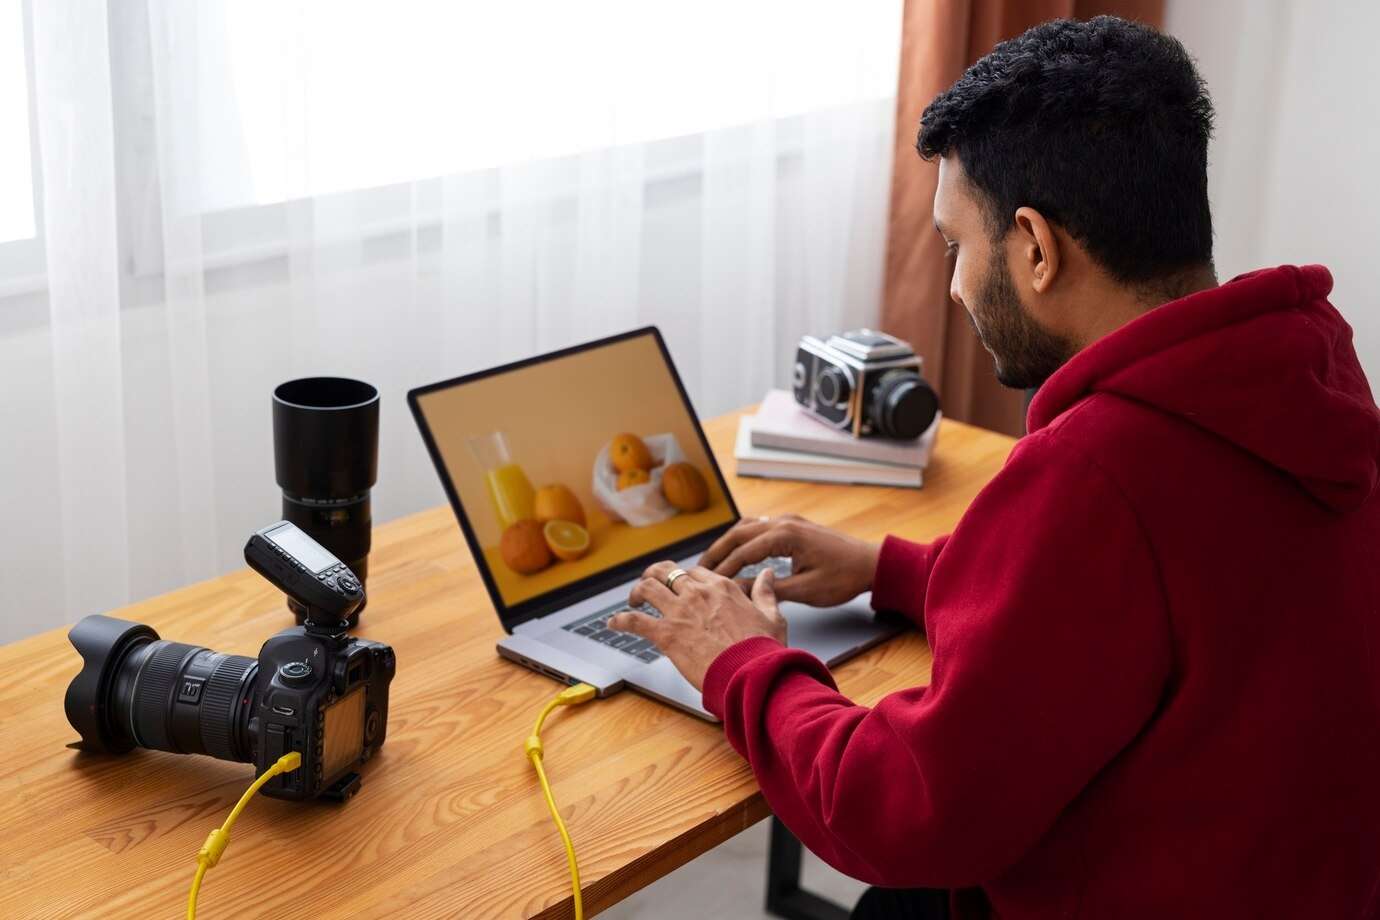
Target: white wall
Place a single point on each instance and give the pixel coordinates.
(1294, 172)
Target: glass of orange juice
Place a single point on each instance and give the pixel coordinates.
(509, 489)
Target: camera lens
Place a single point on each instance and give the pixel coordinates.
(137, 690)
(903, 405)
(325, 445)
(834, 389)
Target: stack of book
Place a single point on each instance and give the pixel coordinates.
(783, 441)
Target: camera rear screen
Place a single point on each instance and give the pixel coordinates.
(344, 734)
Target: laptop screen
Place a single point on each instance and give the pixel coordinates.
(571, 466)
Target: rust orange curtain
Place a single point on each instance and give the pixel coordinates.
(939, 39)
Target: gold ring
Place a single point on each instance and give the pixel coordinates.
(672, 576)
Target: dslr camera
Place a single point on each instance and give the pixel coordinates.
(865, 383)
(312, 689)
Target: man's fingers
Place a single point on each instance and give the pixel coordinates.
(772, 542)
(737, 535)
(699, 573)
(659, 570)
(639, 624)
(763, 594)
(801, 586)
(654, 592)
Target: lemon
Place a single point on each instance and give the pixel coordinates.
(568, 540)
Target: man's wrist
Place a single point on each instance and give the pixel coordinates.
(870, 562)
(727, 663)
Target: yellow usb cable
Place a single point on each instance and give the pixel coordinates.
(568, 697)
(219, 838)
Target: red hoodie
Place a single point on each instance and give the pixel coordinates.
(1156, 636)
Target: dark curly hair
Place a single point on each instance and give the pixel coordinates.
(1102, 126)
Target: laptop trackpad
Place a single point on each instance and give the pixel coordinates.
(835, 634)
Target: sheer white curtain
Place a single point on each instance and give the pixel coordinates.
(230, 194)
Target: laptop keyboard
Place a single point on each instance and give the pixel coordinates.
(781, 565)
(595, 625)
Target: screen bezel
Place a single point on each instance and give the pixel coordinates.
(512, 616)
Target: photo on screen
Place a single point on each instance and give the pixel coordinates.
(569, 467)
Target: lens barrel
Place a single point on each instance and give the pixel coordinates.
(325, 450)
(137, 690)
(903, 405)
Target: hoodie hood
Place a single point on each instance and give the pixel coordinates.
(1263, 361)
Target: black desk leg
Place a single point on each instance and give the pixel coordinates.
(785, 897)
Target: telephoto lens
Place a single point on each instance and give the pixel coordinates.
(325, 449)
(137, 690)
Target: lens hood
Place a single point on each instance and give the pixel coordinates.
(102, 642)
(325, 438)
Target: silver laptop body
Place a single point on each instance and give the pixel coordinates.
(565, 638)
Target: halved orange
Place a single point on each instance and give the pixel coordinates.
(568, 540)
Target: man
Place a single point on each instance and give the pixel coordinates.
(1156, 633)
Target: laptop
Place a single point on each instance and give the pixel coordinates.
(530, 442)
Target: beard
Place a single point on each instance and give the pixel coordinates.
(1026, 353)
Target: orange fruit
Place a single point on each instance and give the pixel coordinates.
(568, 540)
(684, 487)
(628, 452)
(524, 547)
(633, 477)
(557, 503)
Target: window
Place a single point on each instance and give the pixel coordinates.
(16, 172)
(311, 98)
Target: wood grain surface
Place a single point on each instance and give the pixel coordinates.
(449, 821)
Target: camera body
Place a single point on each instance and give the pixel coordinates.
(325, 696)
(865, 383)
(312, 689)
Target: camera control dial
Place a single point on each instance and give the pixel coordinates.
(294, 673)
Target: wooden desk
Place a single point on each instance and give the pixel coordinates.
(449, 821)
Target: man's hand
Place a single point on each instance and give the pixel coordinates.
(702, 616)
(827, 567)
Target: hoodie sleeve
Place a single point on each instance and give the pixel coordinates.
(1051, 649)
(903, 572)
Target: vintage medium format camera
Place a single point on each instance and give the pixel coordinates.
(865, 383)
(313, 688)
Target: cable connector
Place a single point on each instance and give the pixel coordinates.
(577, 694)
(288, 762)
(215, 845)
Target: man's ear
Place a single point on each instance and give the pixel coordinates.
(1039, 249)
